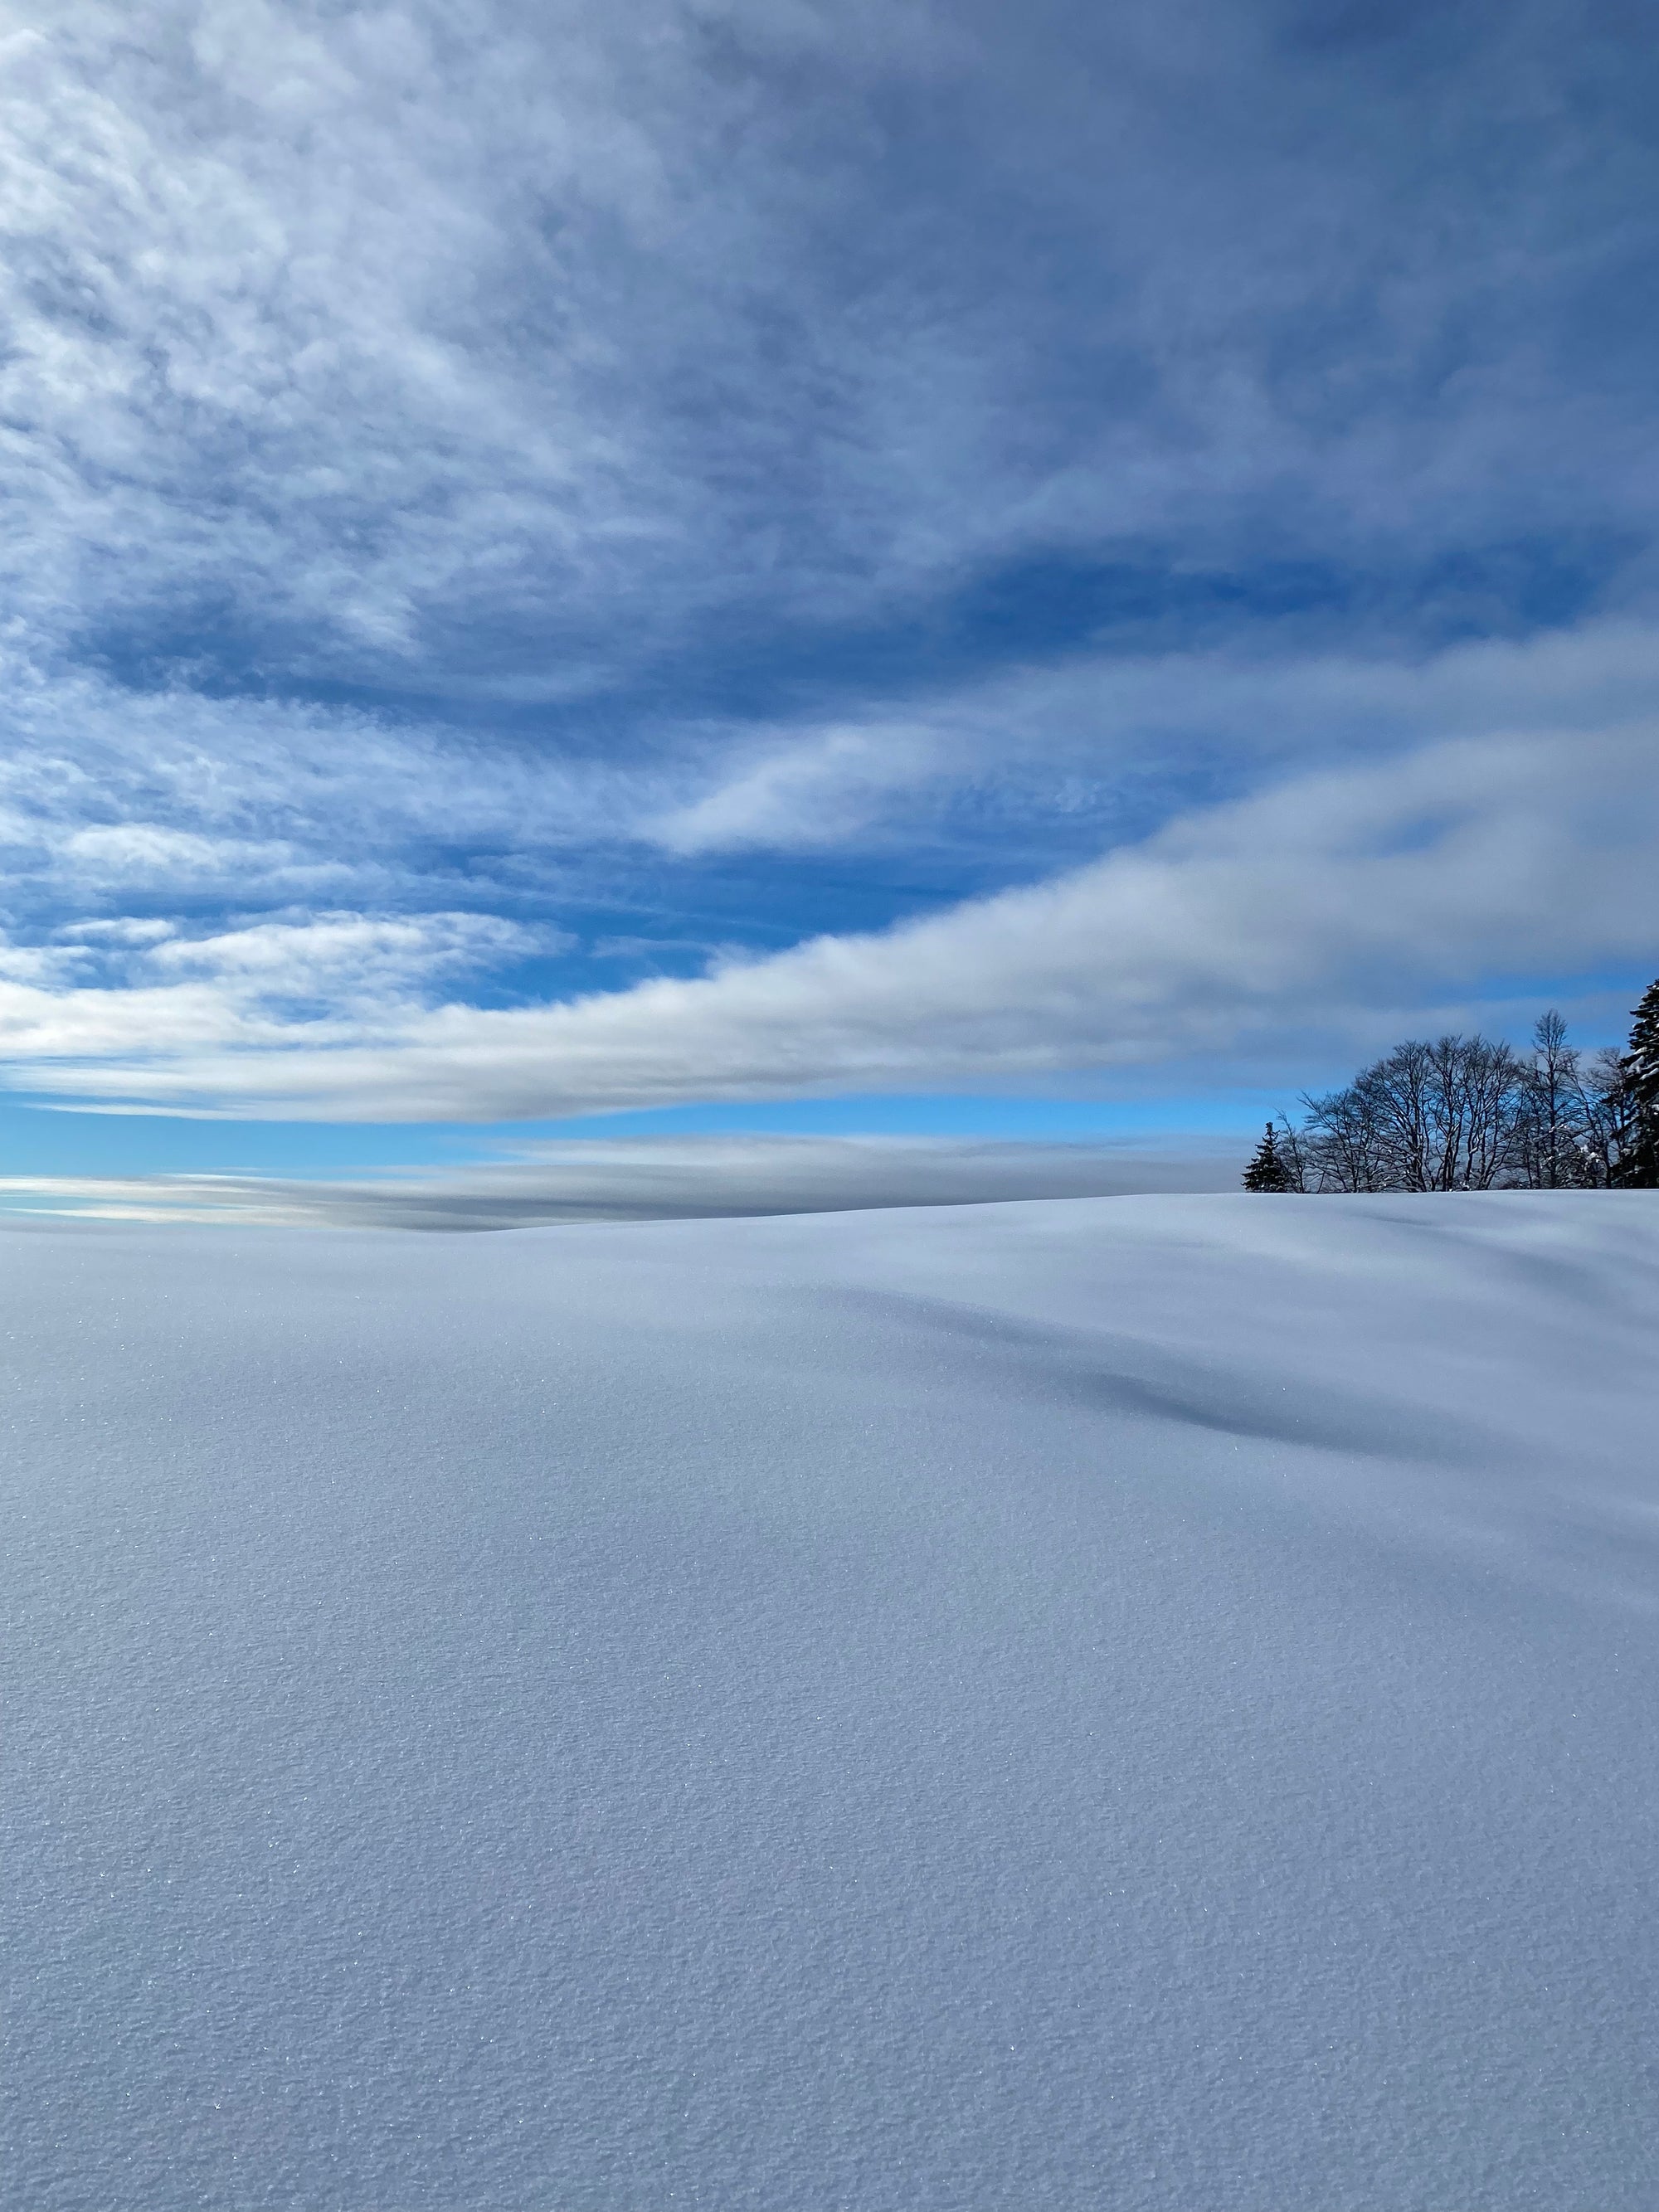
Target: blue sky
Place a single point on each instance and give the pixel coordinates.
(678, 570)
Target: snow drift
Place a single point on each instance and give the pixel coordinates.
(1146, 1701)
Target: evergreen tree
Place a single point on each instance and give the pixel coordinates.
(1640, 1069)
(1269, 1170)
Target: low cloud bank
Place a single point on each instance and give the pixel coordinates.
(637, 1179)
(1348, 902)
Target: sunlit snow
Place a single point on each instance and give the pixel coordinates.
(1141, 1702)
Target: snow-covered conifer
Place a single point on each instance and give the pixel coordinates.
(1269, 1170)
(1640, 1067)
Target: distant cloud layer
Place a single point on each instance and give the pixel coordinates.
(562, 557)
(643, 1180)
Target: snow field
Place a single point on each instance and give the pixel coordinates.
(1139, 1701)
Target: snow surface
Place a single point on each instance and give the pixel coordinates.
(1140, 1702)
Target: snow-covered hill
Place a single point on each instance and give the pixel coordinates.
(1140, 1702)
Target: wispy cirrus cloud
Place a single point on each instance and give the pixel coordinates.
(102, 791)
(1084, 735)
(479, 350)
(1069, 543)
(132, 991)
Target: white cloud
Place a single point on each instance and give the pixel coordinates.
(134, 853)
(1081, 735)
(326, 980)
(105, 794)
(336, 329)
(368, 956)
(123, 931)
(475, 361)
(821, 787)
(1339, 899)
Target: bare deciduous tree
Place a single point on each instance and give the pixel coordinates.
(1462, 1113)
(1426, 1116)
(1551, 1128)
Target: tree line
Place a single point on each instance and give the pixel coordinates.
(1462, 1113)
